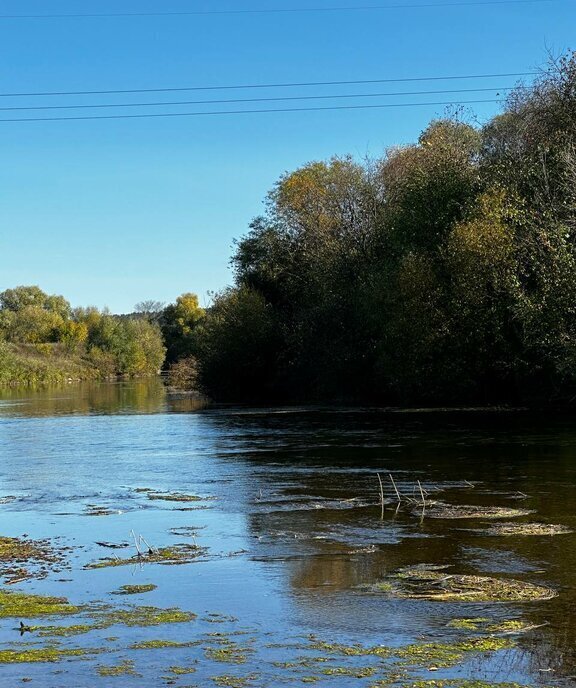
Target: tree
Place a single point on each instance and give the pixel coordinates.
(178, 323)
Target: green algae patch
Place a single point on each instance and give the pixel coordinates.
(525, 529)
(126, 668)
(442, 655)
(468, 624)
(178, 554)
(134, 589)
(506, 627)
(65, 631)
(18, 553)
(429, 583)
(181, 670)
(229, 681)
(511, 627)
(22, 605)
(349, 650)
(40, 655)
(146, 616)
(161, 644)
(352, 672)
(230, 653)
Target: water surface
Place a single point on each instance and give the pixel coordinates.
(290, 518)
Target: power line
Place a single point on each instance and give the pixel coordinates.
(293, 10)
(253, 100)
(355, 82)
(244, 112)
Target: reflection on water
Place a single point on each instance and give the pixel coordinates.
(293, 524)
(134, 396)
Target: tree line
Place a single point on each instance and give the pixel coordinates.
(442, 272)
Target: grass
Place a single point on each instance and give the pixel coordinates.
(45, 364)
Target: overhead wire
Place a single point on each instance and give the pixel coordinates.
(229, 87)
(245, 112)
(252, 100)
(286, 10)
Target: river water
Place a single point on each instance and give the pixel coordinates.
(283, 506)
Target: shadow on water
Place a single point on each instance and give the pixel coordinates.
(289, 514)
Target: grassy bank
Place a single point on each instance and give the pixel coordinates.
(43, 364)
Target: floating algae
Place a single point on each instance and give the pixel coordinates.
(162, 644)
(517, 529)
(420, 582)
(173, 497)
(41, 655)
(443, 655)
(451, 511)
(24, 606)
(178, 554)
(15, 552)
(134, 589)
(144, 616)
(124, 669)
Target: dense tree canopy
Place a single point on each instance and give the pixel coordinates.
(443, 272)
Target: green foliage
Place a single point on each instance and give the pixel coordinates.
(238, 344)
(445, 272)
(178, 322)
(42, 341)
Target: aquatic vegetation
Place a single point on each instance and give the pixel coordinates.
(517, 529)
(442, 655)
(173, 497)
(233, 681)
(20, 551)
(178, 554)
(219, 618)
(65, 631)
(161, 644)
(355, 672)
(420, 582)
(181, 671)
(356, 650)
(145, 616)
(126, 668)
(134, 589)
(468, 624)
(451, 511)
(41, 655)
(24, 606)
(228, 652)
(511, 626)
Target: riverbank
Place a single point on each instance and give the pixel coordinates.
(43, 364)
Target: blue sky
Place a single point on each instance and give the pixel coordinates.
(112, 212)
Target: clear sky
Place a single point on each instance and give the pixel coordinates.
(111, 212)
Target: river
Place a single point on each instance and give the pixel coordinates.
(262, 530)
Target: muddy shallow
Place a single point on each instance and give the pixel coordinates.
(228, 546)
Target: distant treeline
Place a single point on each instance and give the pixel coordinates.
(444, 272)
(43, 340)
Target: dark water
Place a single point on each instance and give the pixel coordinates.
(293, 530)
